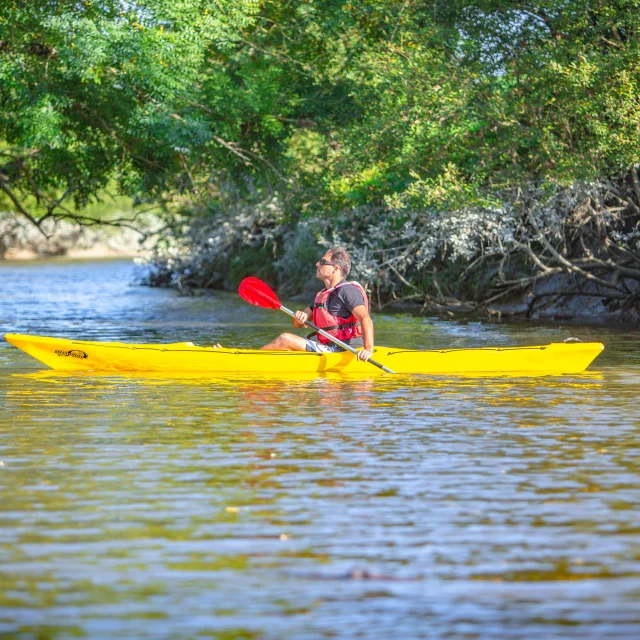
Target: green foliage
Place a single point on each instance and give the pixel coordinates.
(493, 94)
(92, 92)
(296, 264)
(250, 261)
(334, 105)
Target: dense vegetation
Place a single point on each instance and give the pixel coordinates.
(466, 152)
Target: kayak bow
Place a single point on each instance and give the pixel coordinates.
(83, 355)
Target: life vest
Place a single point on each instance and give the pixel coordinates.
(341, 328)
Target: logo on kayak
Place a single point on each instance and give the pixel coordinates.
(74, 353)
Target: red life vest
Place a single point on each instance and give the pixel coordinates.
(341, 328)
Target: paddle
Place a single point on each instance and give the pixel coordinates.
(256, 292)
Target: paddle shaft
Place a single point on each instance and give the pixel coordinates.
(336, 341)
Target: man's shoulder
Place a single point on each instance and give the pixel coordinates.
(350, 285)
(351, 293)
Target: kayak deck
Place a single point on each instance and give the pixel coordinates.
(183, 357)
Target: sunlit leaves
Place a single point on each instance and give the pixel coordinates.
(97, 91)
(347, 103)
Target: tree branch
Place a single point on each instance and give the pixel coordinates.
(566, 263)
(20, 208)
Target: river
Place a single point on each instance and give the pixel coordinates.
(323, 508)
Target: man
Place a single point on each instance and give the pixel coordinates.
(341, 309)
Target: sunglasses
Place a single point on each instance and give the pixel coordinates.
(324, 261)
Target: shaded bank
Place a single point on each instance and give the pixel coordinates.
(543, 252)
(555, 254)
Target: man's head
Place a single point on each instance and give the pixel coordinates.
(336, 258)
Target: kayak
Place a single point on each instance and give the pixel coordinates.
(185, 357)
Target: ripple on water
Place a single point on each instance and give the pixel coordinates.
(262, 508)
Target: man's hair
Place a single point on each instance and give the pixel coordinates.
(341, 258)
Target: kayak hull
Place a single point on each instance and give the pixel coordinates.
(185, 357)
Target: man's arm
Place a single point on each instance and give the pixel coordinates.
(363, 317)
(300, 319)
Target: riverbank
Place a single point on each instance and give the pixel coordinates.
(552, 253)
(98, 251)
(21, 240)
(569, 256)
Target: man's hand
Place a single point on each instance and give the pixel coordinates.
(300, 319)
(363, 317)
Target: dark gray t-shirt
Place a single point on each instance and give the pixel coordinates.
(342, 302)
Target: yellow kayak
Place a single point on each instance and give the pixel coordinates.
(183, 357)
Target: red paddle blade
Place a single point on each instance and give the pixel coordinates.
(256, 292)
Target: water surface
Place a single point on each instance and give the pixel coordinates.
(323, 507)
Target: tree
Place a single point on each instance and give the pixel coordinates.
(93, 93)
